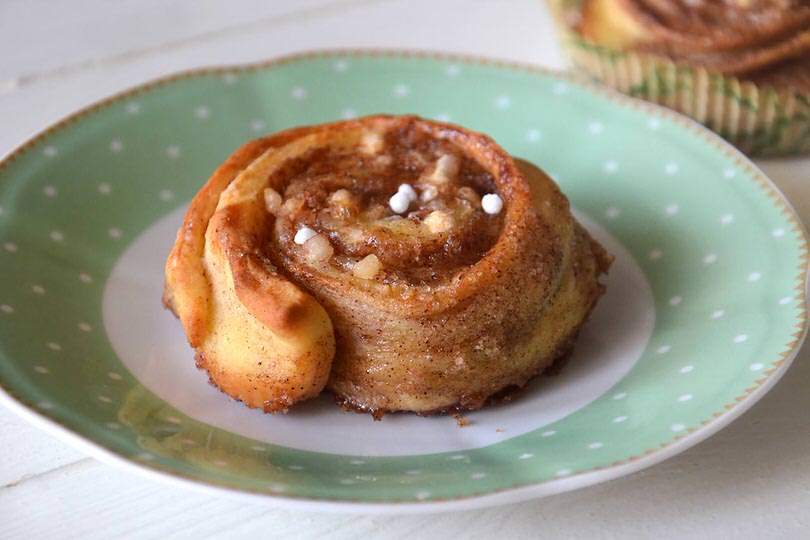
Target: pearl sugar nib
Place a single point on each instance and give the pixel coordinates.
(399, 202)
(408, 190)
(303, 234)
(492, 203)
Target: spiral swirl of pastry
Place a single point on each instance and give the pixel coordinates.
(404, 264)
(733, 37)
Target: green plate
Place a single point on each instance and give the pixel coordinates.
(706, 302)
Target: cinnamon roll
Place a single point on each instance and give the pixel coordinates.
(740, 67)
(734, 37)
(400, 263)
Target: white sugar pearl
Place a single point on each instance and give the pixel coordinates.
(491, 203)
(303, 234)
(399, 202)
(428, 194)
(408, 190)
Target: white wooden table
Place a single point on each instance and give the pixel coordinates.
(750, 481)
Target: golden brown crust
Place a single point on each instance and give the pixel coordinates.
(731, 38)
(458, 304)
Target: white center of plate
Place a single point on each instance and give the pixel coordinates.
(150, 342)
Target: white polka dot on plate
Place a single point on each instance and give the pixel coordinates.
(257, 125)
(548, 433)
(50, 151)
(671, 168)
(202, 112)
(85, 278)
(610, 166)
(672, 209)
(612, 212)
(298, 93)
(422, 495)
(478, 475)
(655, 254)
(675, 300)
(45, 405)
(38, 289)
(596, 128)
(173, 420)
(42, 369)
(754, 276)
(358, 462)
(84, 327)
(104, 399)
(114, 376)
(133, 108)
(116, 145)
(742, 338)
(173, 151)
(686, 369)
(527, 455)
(443, 117)
(401, 90)
(52, 345)
(49, 191)
(11, 247)
(340, 66)
(727, 219)
(756, 367)
(778, 233)
(596, 445)
(786, 300)
(5, 308)
(710, 258)
(620, 395)
(114, 232)
(348, 114)
(104, 188)
(729, 173)
(685, 397)
(453, 70)
(663, 349)
(677, 427)
(230, 79)
(503, 102)
(559, 88)
(654, 123)
(166, 195)
(562, 472)
(619, 419)
(533, 135)
(718, 313)
(57, 236)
